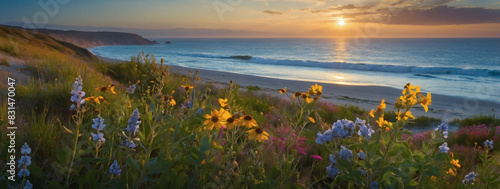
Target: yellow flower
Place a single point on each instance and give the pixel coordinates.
(426, 101)
(90, 99)
(152, 81)
(187, 87)
(231, 122)
(247, 121)
(455, 163)
(433, 178)
(109, 88)
(316, 89)
(258, 134)
(102, 89)
(404, 116)
(451, 172)
(172, 102)
(309, 99)
(99, 98)
(95, 99)
(383, 123)
(217, 119)
(223, 102)
(381, 106)
(312, 120)
(409, 89)
(372, 113)
(297, 94)
(112, 89)
(283, 90)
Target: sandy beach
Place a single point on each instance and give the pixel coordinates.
(444, 107)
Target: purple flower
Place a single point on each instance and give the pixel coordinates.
(469, 178)
(361, 155)
(115, 168)
(444, 148)
(488, 144)
(77, 94)
(28, 185)
(25, 149)
(443, 128)
(345, 153)
(98, 123)
(332, 170)
(133, 122)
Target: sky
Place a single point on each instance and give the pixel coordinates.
(266, 18)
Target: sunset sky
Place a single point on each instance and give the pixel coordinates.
(271, 18)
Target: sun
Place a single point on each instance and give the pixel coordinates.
(341, 21)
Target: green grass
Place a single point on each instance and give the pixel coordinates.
(10, 48)
(477, 120)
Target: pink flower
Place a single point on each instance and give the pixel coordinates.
(319, 158)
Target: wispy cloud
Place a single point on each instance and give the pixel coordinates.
(411, 12)
(445, 15)
(272, 12)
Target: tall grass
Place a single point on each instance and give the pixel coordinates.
(4, 62)
(10, 48)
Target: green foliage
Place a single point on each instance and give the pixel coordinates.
(477, 120)
(10, 48)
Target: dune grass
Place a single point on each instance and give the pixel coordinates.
(4, 62)
(490, 119)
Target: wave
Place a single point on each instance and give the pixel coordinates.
(356, 66)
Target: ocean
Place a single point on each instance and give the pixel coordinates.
(456, 67)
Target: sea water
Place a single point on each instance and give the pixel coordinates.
(457, 67)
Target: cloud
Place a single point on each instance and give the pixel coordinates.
(272, 12)
(446, 15)
(411, 12)
(332, 8)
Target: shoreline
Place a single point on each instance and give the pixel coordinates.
(368, 97)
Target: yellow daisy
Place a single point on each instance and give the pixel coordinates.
(283, 90)
(217, 119)
(247, 121)
(258, 134)
(231, 122)
(187, 87)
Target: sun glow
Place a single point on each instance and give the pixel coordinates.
(341, 21)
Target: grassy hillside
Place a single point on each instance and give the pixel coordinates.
(29, 44)
(143, 126)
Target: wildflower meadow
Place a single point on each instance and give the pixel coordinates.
(138, 124)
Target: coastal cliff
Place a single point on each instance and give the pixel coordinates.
(94, 39)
